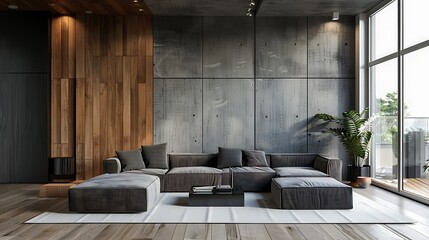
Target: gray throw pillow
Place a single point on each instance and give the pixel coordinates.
(229, 157)
(155, 156)
(255, 158)
(131, 159)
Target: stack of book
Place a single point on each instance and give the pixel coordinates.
(223, 189)
(203, 189)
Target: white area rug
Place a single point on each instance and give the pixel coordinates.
(173, 208)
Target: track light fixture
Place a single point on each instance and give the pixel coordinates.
(251, 9)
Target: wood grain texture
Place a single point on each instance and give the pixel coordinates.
(108, 106)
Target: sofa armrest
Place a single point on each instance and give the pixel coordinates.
(112, 165)
(330, 166)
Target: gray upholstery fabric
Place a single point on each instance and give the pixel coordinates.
(123, 192)
(192, 159)
(132, 159)
(311, 193)
(299, 172)
(155, 172)
(155, 156)
(112, 165)
(251, 179)
(292, 160)
(229, 157)
(331, 166)
(181, 179)
(254, 158)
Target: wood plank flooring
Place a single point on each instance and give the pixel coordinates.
(20, 202)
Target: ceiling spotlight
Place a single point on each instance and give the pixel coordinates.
(335, 16)
(135, 1)
(12, 6)
(141, 10)
(252, 3)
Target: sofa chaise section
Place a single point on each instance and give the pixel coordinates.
(305, 165)
(123, 192)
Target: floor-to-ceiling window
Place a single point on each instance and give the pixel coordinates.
(399, 80)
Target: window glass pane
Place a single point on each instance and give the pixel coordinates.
(416, 120)
(385, 102)
(384, 31)
(416, 22)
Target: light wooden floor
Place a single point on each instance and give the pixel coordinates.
(20, 202)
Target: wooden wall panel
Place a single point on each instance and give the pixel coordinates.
(102, 78)
(63, 75)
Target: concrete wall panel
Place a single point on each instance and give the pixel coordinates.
(178, 114)
(228, 47)
(228, 114)
(281, 47)
(281, 115)
(331, 47)
(178, 47)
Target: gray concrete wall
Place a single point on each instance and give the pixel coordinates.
(252, 83)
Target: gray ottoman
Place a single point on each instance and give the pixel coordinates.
(122, 192)
(311, 193)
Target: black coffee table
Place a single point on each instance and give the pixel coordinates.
(217, 199)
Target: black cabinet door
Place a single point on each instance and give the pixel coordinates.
(24, 96)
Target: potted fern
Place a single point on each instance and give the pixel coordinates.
(354, 133)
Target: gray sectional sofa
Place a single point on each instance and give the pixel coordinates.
(191, 169)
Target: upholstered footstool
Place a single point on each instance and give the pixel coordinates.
(122, 192)
(311, 193)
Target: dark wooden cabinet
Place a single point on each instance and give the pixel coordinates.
(24, 96)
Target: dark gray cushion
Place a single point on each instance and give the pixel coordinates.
(131, 159)
(229, 157)
(299, 172)
(192, 159)
(155, 156)
(292, 160)
(255, 158)
(181, 179)
(250, 179)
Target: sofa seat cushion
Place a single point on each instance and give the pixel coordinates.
(122, 192)
(152, 171)
(196, 169)
(299, 172)
(250, 179)
(181, 179)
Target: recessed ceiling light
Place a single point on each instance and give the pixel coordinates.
(135, 1)
(12, 6)
(141, 10)
(335, 16)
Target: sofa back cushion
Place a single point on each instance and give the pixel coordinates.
(192, 159)
(292, 160)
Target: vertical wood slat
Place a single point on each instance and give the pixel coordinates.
(102, 94)
(80, 125)
(126, 86)
(96, 116)
(80, 46)
(72, 48)
(64, 46)
(56, 48)
(88, 148)
(65, 110)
